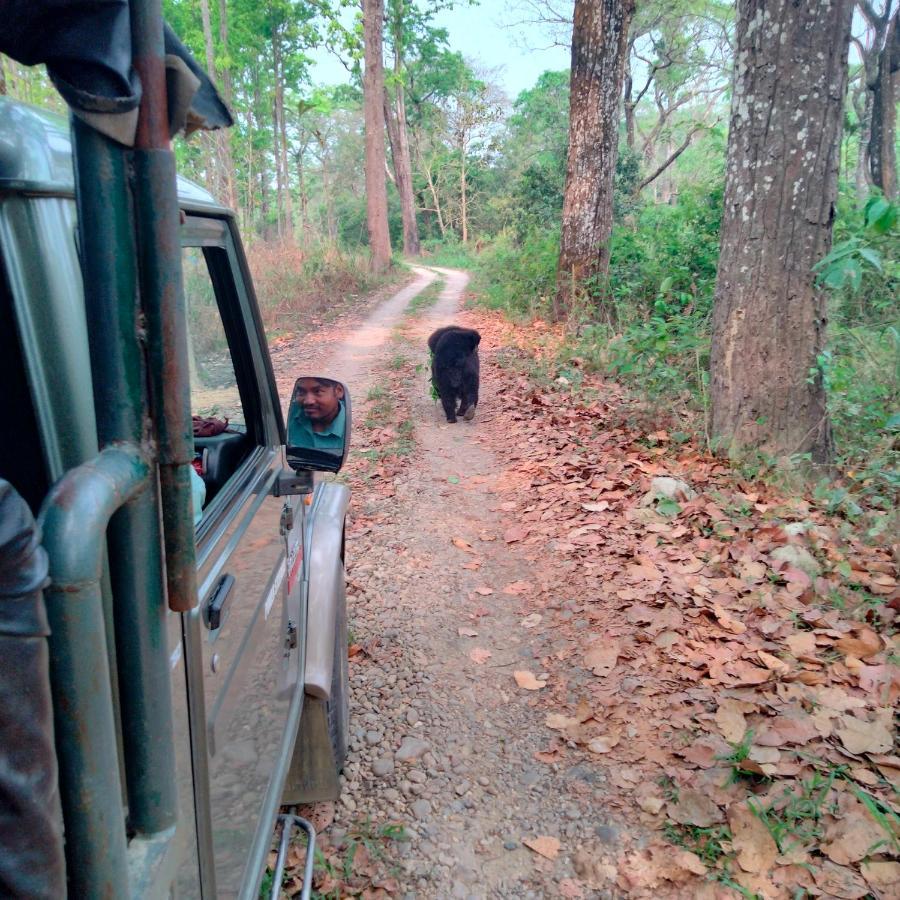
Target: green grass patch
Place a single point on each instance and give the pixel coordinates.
(426, 298)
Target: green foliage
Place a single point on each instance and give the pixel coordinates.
(520, 278)
(864, 255)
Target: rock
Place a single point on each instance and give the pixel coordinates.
(510, 845)
(373, 738)
(382, 767)
(412, 716)
(410, 749)
(607, 834)
(799, 558)
(420, 809)
(665, 488)
(417, 776)
(462, 787)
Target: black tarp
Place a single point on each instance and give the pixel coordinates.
(86, 46)
(31, 832)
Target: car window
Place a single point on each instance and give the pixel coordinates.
(214, 384)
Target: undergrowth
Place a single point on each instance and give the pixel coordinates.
(654, 333)
(297, 287)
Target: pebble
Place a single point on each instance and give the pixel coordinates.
(373, 738)
(412, 716)
(420, 809)
(417, 776)
(411, 748)
(382, 767)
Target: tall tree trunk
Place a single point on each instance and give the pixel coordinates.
(599, 39)
(399, 141)
(862, 176)
(376, 162)
(780, 187)
(883, 129)
(2, 76)
(285, 168)
(463, 196)
(215, 180)
(628, 99)
(223, 135)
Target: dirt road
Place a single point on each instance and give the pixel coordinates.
(443, 739)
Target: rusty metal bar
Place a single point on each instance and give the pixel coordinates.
(162, 298)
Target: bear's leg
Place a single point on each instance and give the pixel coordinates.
(448, 401)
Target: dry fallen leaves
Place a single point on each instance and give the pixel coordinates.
(601, 660)
(479, 655)
(526, 680)
(546, 846)
(723, 631)
(752, 841)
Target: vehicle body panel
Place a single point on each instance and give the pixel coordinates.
(237, 690)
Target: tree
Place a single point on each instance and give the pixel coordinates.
(883, 128)
(399, 32)
(373, 107)
(870, 46)
(781, 182)
(599, 38)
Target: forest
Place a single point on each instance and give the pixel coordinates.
(714, 222)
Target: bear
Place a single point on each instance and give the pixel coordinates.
(454, 370)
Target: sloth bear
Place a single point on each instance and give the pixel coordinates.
(454, 369)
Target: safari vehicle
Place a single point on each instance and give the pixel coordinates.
(197, 671)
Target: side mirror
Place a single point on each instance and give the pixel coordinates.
(318, 424)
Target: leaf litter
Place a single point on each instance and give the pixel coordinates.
(737, 646)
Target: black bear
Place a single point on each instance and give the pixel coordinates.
(454, 369)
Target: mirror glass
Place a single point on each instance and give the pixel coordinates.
(318, 424)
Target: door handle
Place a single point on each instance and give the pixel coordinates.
(214, 613)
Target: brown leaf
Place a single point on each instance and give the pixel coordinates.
(467, 632)
(479, 655)
(463, 545)
(531, 621)
(694, 808)
(859, 736)
(546, 846)
(603, 743)
(839, 881)
(730, 719)
(514, 588)
(727, 622)
(755, 847)
(526, 680)
(515, 533)
(802, 644)
(853, 835)
(484, 591)
(883, 876)
(867, 644)
(601, 660)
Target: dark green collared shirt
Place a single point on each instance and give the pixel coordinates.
(301, 434)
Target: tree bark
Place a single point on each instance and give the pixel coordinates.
(780, 187)
(400, 156)
(883, 127)
(599, 38)
(373, 107)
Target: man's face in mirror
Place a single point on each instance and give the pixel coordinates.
(320, 400)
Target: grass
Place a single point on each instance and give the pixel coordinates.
(426, 298)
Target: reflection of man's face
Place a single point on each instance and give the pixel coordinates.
(321, 402)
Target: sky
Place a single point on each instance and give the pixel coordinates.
(518, 53)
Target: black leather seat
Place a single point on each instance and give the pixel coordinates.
(224, 453)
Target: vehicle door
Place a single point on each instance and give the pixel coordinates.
(236, 642)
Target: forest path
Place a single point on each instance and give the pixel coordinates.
(443, 741)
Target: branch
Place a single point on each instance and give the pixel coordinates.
(672, 157)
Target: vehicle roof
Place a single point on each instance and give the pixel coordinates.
(36, 156)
